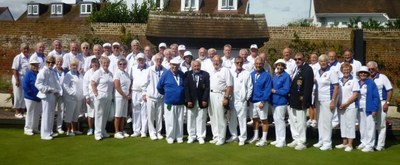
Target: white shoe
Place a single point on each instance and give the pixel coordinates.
(261, 143)
(293, 144)
(70, 134)
(159, 136)
(179, 141)
(19, 116)
(380, 148)
(60, 131)
(274, 142)
(308, 122)
(78, 132)
(135, 134)
(143, 135)
(232, 139)
(254, 140)
(54, 134)
(47, 138)
(361, 146)
(89, 132)
(241, 143)
(326, 148)
(340, 146)
(220, 142)
(201, 141)
(190, 141)
(348, 149)
(250, 122)
(170, 141)
(313, 123)
(208, 123)
(118, 135)
(98, 138)
(125, 134)
(280, 145)
(367, 149)
(300, 147)
(28, 133)
(318, 145)
(106, 135)
(213, 141)
(129, 120)
(153, 137)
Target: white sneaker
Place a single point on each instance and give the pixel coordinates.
(98, 138)
(380, 148)
(28, 133)
(125, 134)
(274, 142)
(213, 141)
(300, 147)
(340, 146)
(261, 143)
(60, 131)
(255, 139)
(348, 149)
(153, 137)
(292, 144)
(280, 145)
(70, 134)
(143, 135)
(118, 135)
(361, 146)
(159, 136)
(250, 122)
(326, 148)
(170, 141)
(129, 120)
(313, 123)
(179, 141)
(318, 145)
(78, 132)
(47, 138)
(89, 132)
(135, 134)
(190, 141)
(308, 122)
(201, 141)
(54, 134)
(19, 116)
(232, 139)
(220, 142)
(241, 143)
(208, 123)
(367, 149)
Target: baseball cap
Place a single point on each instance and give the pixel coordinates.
(253, 46)
(181, 47)
(162, 44)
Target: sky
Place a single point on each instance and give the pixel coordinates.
(277, 12)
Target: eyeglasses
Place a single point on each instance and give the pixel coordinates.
(116, 47)
(122, 63)
(371, 69)
(297, 59)
(238, 62)
(85, 47)
(50, 62)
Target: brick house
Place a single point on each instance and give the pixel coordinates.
(5, 14)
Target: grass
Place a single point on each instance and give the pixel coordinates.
(17, 148)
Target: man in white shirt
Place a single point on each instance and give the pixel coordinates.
(221, 83)
(97, 51)
(227, 60)
(247, 65)
(161, 47)
(73, 54)
(39, 54)
(19, 66)
(57, 49)
(114, 57)
(253, 53)
(202, 58)
(186, 65)
(167, 58)
(348, 57)
(148, 54)
(181, 52)
(106, 49)
(135, 44)
(290, 63)
(208, 65)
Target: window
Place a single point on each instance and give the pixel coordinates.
(33, 9)
(158, 3)
(56, 9)
(86, 8)
(190, 4)
(227, 4)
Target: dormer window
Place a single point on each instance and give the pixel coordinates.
(227, 4)
(56, 9)
(86, 8)
(190, 5)
(33, 10)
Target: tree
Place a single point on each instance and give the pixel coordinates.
(114, 12)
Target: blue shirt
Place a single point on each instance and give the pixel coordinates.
(281, 84)
(262, 85)
(172, 90)
(28, 84)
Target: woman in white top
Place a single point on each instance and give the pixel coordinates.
(312, 111)
(60, 74)
(88, 93)
(19, 66)
(349, 90)
(102, 87)
(122, 84)
(327, 87)
(73, 98)
(49, 91)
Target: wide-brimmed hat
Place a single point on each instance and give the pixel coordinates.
(363, 69)
(280, 61)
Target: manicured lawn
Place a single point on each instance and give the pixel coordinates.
(17, 148)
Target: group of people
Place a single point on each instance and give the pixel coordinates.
(172, 86)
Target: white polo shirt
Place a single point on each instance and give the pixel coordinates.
(42, 60)
(113, 67)
(383, 84)
(324, 83)
(242, 85)
(356, 65)
(166, 64)
(184, 68)
(56, 54)
(220, 79)
(68, 57)
(20, 64)
(104, 82)
(87, 89)
(124, 80)
(227, 63)
(347, 89)
(139, 78)
(363, 96)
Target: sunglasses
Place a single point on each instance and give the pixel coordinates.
(50, 62)
(297, 59)
(122, 63)
(85, 47)
(371, 69)
(238, 62)
(116, 47)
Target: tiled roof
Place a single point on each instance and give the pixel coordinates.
(3, 9)
(390, 7)
(73, 15)
(208, 6)
(207, 26)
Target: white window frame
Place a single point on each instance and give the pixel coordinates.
(55, 11)
(30, 9)
(189, 5)
(33, 9)
(226, 5)
(84, 7)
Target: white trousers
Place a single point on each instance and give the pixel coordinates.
(60, 112)
(280, 125)
(238, 114)
(18, 94)
(367, 129)
(381, 126)
(324, 114)
(335, 117)
(139, 113)
(298, 120)
(90, 108)
(33, 111)
(48, 107)
(72, 110)
(196, 122)
(174, 121)
(293, 130)
(155, 115)
(348, 122)
(218, 124)
(101, 112)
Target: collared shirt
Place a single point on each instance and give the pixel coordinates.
(131, 58)
(325, 81)
(41, 58)
(242, 85)
(152, 80)
(166, 63)
(356, 65)
(220, 79)
(227, 63)
(104, 82)
(251, 59)
(21, 64)
(56, 54)
(124, 80)
(184, 67)
(207, 65)
(114, 63)
(68, 57)
(336, 66)
(383, 84)
(87, 89)
(73, 85)
(347, 88)
(139, 78)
